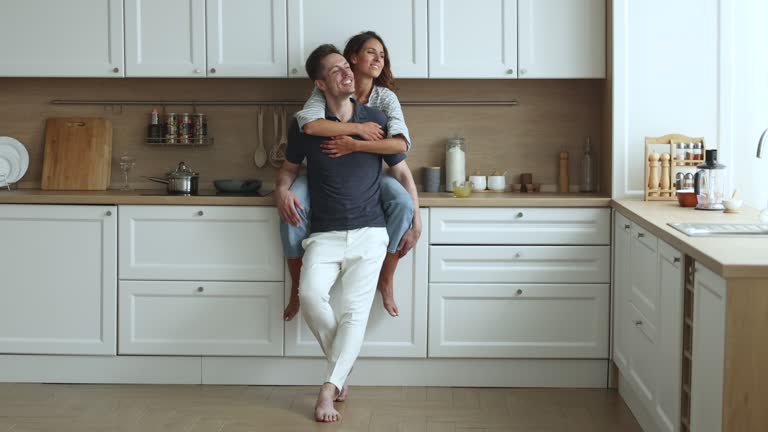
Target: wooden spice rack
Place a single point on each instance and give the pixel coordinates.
(662, 186)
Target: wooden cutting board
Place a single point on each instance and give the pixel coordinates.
(78, 154)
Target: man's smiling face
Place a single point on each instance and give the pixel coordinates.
(339, 79)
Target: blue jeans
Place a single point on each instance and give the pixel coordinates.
(395, 201)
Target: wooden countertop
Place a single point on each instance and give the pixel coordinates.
(111, 197)
(728, 256)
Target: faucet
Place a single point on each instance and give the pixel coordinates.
(760, 144)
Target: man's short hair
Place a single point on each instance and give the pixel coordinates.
(314, 64)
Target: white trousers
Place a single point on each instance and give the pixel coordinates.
(353, 258)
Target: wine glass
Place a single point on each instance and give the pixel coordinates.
(127, 163)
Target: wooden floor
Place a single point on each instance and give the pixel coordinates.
(195, 408)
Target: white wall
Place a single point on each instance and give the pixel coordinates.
(666, 78)
(745, 81)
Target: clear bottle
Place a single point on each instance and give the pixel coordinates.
(588, 183)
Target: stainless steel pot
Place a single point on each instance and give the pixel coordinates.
(182, 181)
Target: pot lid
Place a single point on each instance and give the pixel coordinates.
(183, 171)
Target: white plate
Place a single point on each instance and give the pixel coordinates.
(9, 166)
(14, 144)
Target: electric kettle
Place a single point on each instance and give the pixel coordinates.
(709, 183)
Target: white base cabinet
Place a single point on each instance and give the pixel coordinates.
(200, 243)
(518, 320)
(402, 336)
(200, 280)
(201, 318)
(708, 357)
(648, 323)
(58, 266)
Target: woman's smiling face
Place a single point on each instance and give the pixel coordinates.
(370, 59)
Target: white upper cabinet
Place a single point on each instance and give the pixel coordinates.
(472, 39)
(165, 38)
(561, 39)
(401, 23)
(73, 38)
(246, 38)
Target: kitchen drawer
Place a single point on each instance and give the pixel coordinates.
(200, 243)
(545, 226)
(518, 320)
(201, 318)
(520, 264)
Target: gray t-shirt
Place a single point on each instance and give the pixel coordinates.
(344, 191)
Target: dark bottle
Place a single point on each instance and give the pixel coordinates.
(154, 130)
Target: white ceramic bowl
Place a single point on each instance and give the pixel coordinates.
(497, 182)
(478, 182)
(732, 204)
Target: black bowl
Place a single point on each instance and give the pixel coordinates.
(237, 186)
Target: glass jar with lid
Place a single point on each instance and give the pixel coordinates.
(455, 162)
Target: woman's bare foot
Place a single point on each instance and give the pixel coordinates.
(343, 395)
(324, 410)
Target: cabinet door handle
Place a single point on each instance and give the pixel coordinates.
(109, 213)
(200, 213)
(627, 227)
(510, 71)
(116, 70)
(676, 259)
(213, 70)
(519, 215)
(638, 323)
(519, 292)
(294, 71)
(197, 71)
(523, 71)
(518, 255)
(199, 289)
(640, 235)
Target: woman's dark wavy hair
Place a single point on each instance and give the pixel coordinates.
(355, 44)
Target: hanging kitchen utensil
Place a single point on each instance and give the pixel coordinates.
(260, 155)
(283, 145)
(273, 159)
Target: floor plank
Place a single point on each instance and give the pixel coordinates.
(196, 408)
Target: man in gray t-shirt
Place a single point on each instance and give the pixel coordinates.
(349, 239)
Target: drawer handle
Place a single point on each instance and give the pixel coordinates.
(640, 235)
(518, 255)
(199, 289)
(627, 227)
(519, 292)
(519, 215)
(638, 323)
(200, 213)
(109, 213)
(676, 259)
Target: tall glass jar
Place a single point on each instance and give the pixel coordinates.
(455, 162)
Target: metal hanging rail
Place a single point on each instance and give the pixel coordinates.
(261, 103)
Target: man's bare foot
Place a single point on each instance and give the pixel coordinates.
(324, 410)
(343, 395)
(388, 296)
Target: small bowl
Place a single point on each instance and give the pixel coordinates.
(732, 205)
(687, 199)
(462, 189)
